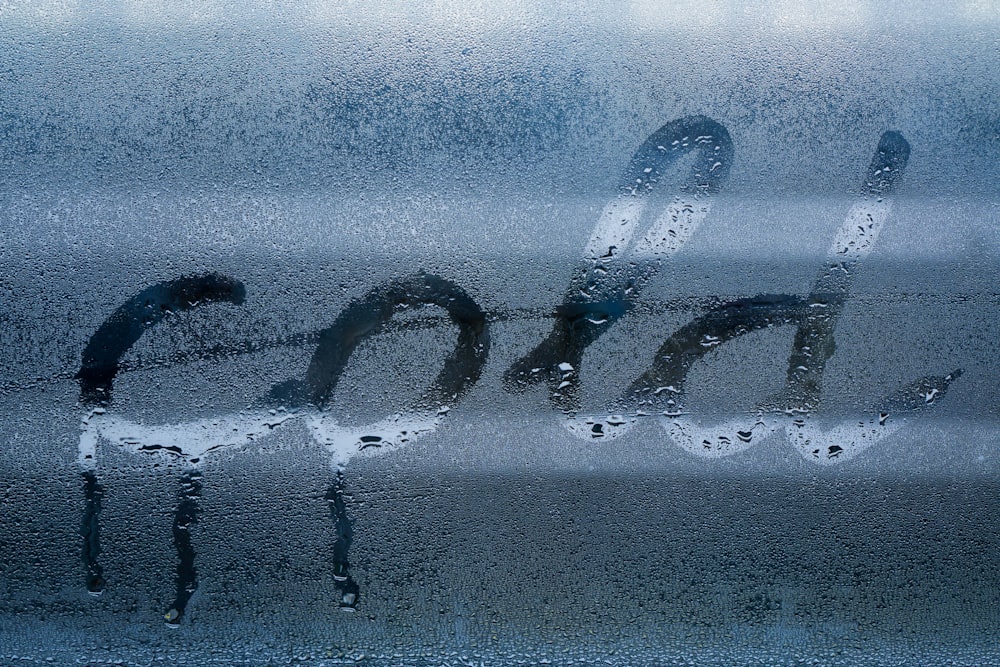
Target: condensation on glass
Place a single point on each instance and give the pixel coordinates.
(499, 333)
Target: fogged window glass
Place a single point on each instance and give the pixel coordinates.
(511, 333)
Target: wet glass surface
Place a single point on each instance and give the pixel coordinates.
(478, 334)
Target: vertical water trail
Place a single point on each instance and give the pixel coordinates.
(90, 531)
(185, 516)
(344, 533)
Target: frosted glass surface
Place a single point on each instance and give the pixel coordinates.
(466, 333)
